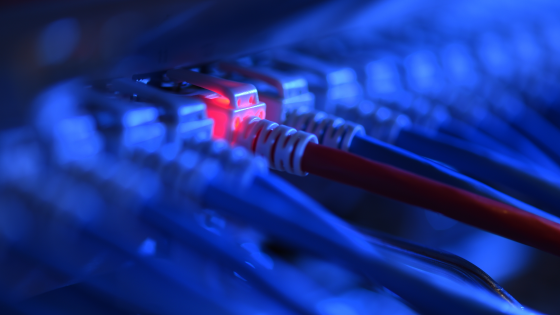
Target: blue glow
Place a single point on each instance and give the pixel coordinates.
(349, 90)
(488, 251)
(77, 138)
(341, 76)
(211, 221)
(384, 82)
(126, 196)
(139, 116)
(526, 48)
(238, 276)
(147, 248)
(459, 65)
(551, 35)
(384, 78)
(260, 257)
(423, 72)
(494, 56)
(335, 308)
(149, 136)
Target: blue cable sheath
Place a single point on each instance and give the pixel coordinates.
(485, 165)
(553, 115)
(392, 155)
(449, 261)
(541, 131)
(292, 217)
(507, 134)
(184, 229)
(465, 131)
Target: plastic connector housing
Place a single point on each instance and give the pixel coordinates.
(184, 117)
(332, 85)
(230, 103)
(76, 138)
(292, 94)
(126, 124)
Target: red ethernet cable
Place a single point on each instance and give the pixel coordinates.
(298, 152)
(458, 204)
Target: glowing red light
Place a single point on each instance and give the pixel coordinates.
(238, 102)
(236, 122)
(221, 101)
(261, 114)
(251, 100)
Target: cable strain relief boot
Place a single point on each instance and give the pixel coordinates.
(331, 131)
(240, 165)
(281, 145)
(118, 179)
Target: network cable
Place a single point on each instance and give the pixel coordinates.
(289, 150)
(487, 122)
(454, 264)
(382, 71)
(392, 155)
(77, 248)
(338, 165)
(529, 122)
(457, 128)
(288, 164)
(331, 131)
(329, 237)
(529, 181)
(138, 179)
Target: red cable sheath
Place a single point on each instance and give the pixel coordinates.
(458, 204)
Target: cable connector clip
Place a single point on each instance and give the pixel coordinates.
(230, 103)
(281, 145)
(291, 93)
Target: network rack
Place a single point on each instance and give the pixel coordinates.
(390, 157)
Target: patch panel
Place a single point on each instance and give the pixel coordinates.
(321, 157)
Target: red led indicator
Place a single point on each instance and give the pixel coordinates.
(261, 114)
(221, 101)
(251, 100)
(236, 122)
(239, 102)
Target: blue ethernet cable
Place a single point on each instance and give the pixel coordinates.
(498, 63)
(339, 134)
(283, 212)
(252, 270)
(121, 179)
(456, 127)
(173, 223)
(461, 267)
(68, 253)
(460, 129)
(534, 126)
(432, 83)
(501, 130)
(389, 154)
(162, 281)
(485, 165)
(294, 218)
(169, 217)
